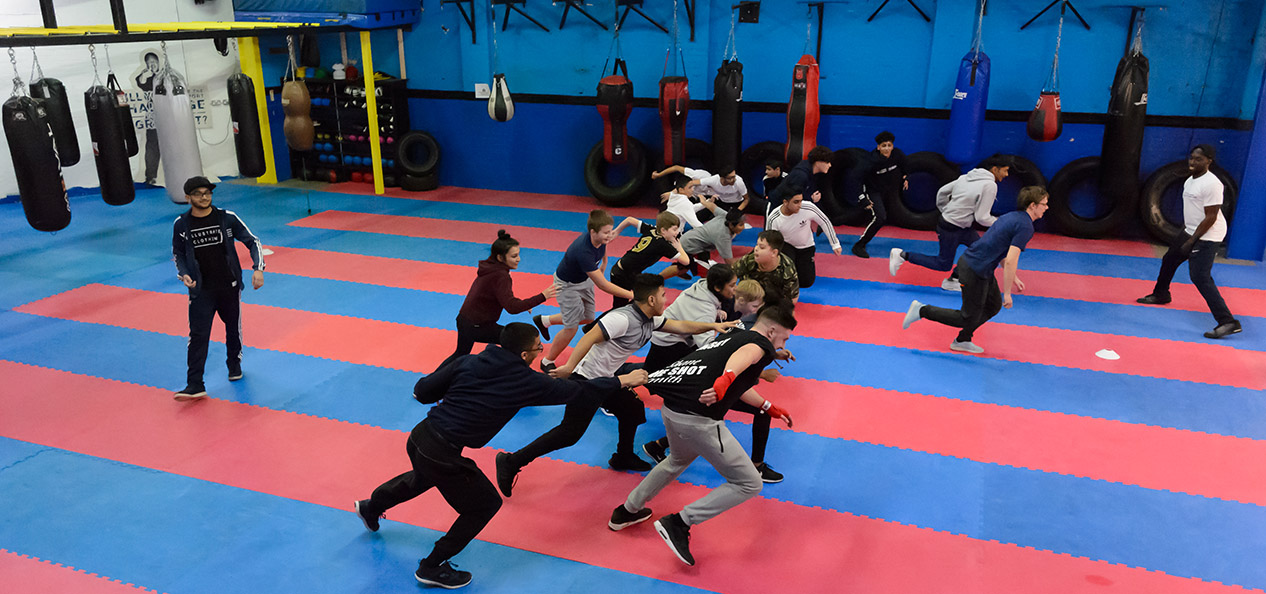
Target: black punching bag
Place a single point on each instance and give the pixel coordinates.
(125, 115)
(57, 106)
(1123, 131)
(727, 114)
(109, 147)
(35, 161)
(246, 129)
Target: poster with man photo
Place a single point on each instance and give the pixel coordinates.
(142, 102)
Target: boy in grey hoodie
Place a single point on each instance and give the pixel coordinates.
(962, 202)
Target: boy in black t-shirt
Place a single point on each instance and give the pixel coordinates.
(698, 390)
(660, 241)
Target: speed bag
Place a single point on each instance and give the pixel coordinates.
(674, 106)
(109, 148)
(967, 108)
(298, 127)
(177, 138)
(1123, 130)
(1046, 121)
(615, 100)
(802, 110)
(727, 114)
(57, 106)
(500, 106)
(125, 115)
(39, 173)
(247, 137)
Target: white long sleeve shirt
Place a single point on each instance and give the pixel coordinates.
(796, 229)
(680, 205)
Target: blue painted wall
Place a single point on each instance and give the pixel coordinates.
(1204, 63)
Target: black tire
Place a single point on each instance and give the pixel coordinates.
(626, 193)
(848, 170)
(1022, 173)
(915, 208)
(419, 183)
(752, 163)
(1152, 203)
(411, 142)
(1079, 172)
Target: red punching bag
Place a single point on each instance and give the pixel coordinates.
(674, 105)
(802, 110)
(1046, 122)
(615, 99)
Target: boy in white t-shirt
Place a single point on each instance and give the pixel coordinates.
(726, 186)
(679, 201)
(1204, 228)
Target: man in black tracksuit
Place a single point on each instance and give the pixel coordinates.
(477, 395)
(206, 262)
(885, 177)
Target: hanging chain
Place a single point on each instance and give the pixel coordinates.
(35, 66)
(496, 50)
(291, 67)
(808, 29)
(1137, 47)
(1059, 37)
(109, 66)
(96, 75)
(18, 87)
(731, 44)
(980, 23)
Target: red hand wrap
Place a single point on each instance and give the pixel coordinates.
(723, 383)
(775, 412)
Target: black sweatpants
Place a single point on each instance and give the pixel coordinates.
(878, 218)
(806, 270)
(440, 464)
(628, 409)
(227, 303)
(982, 300)
(468, 334)
(1200, 268)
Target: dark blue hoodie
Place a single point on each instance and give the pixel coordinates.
(479, 394)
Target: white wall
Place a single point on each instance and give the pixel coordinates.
(197, 60)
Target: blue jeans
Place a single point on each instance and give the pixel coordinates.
(1200, 266)
(950, 237)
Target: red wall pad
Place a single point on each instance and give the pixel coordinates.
(745, 550)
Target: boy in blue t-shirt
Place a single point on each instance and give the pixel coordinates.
(576, 276)
(982, 299)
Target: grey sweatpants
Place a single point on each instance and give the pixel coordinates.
(689, 437)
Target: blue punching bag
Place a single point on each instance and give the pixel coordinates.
(967, 109)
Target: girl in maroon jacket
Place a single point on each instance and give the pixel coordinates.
(489, 294)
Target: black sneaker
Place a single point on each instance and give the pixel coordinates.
(655, 450)
(1224, 330)
(1154, 299)
(542, 327)
(190, 393)
(548, 367)
(370, 520)
(622, 518)
(235, 371)
(507, 474)
(676, 533)
(859, 250)
(767, 474)
(443, 575)
(628, 461)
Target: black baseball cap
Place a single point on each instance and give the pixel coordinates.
(194, 183)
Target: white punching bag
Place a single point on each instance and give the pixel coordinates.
(500, 106)
(177, 134)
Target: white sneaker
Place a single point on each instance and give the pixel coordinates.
(966, 347)
(895, 261)
(951, 284)
(912, 314)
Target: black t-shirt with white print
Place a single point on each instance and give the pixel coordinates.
(681, 383)
(649, 249)
(209, 244)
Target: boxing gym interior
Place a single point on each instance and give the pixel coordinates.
(376, 147)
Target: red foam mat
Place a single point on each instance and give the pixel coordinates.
(559, 509)
(23, 575)
(1098, 289)
(559, 202)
